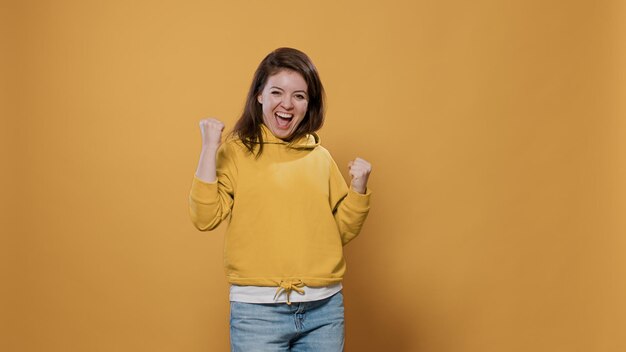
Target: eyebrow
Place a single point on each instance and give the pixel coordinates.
(302, 91)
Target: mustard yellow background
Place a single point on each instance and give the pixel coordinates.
(496, 130)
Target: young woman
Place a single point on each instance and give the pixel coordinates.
(290, 211)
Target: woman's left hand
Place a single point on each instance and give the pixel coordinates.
(359, 172)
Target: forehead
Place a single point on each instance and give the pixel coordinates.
(287, 79)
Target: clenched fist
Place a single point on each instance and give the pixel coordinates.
(211, 133)
(359, 173)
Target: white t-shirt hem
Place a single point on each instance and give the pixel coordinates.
(261, 294)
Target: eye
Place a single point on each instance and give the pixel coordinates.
(275, 92)
(300, 96)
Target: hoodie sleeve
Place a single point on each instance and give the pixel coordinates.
(211, 202)
(350, 208)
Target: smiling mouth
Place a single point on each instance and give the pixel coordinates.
(283, 119)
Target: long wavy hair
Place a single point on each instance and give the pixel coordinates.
(248, 127)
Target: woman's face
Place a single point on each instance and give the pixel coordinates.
(284, 100)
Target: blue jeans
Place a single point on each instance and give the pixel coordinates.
(303, 327)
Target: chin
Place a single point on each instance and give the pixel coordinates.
(284, 134)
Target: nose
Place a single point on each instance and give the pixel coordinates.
(286, 102)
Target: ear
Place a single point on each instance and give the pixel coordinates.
(259, 98)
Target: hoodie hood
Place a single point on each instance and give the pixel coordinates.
(310, 141)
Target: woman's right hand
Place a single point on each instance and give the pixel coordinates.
(211, 139)
(211, 133)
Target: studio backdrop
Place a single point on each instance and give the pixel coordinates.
(496, 131)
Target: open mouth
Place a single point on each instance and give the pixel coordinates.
(283, 119)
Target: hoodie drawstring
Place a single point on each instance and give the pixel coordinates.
(288, 287)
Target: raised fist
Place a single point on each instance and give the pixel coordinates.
(211, 133)
(359, 173)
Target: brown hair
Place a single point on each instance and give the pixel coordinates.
(248, 127)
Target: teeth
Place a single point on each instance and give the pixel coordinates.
(284, 115)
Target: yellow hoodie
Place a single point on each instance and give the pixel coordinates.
(290, 213)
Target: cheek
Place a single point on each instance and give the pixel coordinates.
(271, 102)
(268, 104)
(304, 107)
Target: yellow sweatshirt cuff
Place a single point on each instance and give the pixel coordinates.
(203, 192)
(358, 200)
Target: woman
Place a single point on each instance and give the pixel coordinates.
(290, 211)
